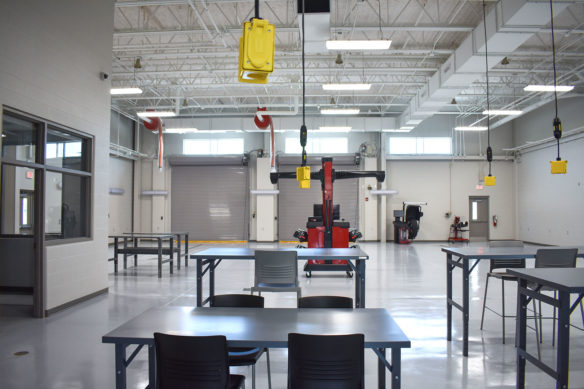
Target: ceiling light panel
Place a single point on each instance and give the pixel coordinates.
(346, 86)
(339, 111)
(548, 88)
(358, 45)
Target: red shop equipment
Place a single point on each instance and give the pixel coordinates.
(324, 229)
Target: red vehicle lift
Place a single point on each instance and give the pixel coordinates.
(323, 231)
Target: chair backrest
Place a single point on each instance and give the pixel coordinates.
(503, 263)
(276, 268)
(556, 257)
(237, 300)
(325, 302)
(191, 361)
(325, 361)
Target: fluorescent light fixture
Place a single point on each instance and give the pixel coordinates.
(346, 86)
(264, 191)
(180, 130)
(472, 128)
(397, 130)
(502, 112)
(548, 88)
(339, 111)
(409, 128)
(125, 91)
(159, 114)
(358, 45)
(414, 121)
(334, 129)
(116, 191)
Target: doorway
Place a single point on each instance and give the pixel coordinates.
(479, 218)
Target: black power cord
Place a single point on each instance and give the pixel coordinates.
(557, 122)
(489, 150)
(303, 130)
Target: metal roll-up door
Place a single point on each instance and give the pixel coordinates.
(210, 202)
(295, 205)
(120, 177)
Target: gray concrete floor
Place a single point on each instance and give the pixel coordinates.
(65, 349)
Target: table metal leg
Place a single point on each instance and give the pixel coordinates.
(159, 258)
(360, 284)
(396, 368)
(116, 255)
(178, 244)
(448, 297)
(125, 253)
(199, 282)
(120, 366)
(151, 367)
(186, 250)
(521, 332)
(563, 352)
(465, 305)
(172, 255)
(211, 280)
(135, 255)
(381, 370)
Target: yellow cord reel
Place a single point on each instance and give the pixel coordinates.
(256, 51)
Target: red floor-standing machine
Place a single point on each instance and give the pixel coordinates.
(324, 229)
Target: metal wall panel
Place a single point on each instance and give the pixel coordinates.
(296, 205)
(210, 202)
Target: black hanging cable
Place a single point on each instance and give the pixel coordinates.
(257, 9)
(489, 150)
(303, 130)
(557, 123)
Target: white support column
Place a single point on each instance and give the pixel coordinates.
(368, 209)
(382, 207)
(266, 204)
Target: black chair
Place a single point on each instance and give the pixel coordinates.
(325, 302)
(184, 362)
(501, 264)
(244, 356)
(326, 361)
(550, 258)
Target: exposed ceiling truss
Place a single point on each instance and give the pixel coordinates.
(188, 50)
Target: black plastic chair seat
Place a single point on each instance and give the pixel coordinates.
(501, 275)
(244, 356)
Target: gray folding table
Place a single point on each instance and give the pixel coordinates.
(464, 256)
(178, 235)
(565, 282)
(209, 259)
(259, 327)
(131, 246)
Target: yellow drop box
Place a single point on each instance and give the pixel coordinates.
(303, 177)
(490, 180)
(256, 51)
(559, 167)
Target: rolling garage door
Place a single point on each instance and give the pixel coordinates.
(210, 202)
(296, 205)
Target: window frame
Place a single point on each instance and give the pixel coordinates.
(211, 140)
(419, 144)
(312, 143)
(41, 167)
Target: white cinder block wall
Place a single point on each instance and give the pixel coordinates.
(53, 73)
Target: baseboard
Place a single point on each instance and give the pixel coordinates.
(76, 301)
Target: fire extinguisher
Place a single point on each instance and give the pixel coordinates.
(495, 220)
